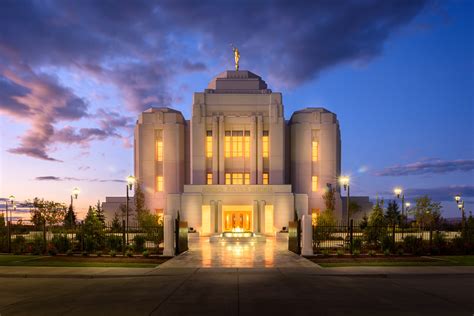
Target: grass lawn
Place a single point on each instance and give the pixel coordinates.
(79, 261)
(396, 261)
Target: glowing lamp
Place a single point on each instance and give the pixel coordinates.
(11, 198)
(130, 181)
(397, 192)
(457, 197)
(407, 204)
(75, 192)
(344, 180)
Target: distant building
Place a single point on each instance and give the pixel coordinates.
(365, 207)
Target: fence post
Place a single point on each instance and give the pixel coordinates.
(82, 236)
(9, 237)
(123, 237)
(393, 235)
(431, 235)
(351, 236)
(44, 237)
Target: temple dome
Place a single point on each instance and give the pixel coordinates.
(242, 81)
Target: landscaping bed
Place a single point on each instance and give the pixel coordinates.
(381, 260)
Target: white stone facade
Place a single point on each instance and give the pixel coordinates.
(237, 162)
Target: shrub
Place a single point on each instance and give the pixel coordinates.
(400, 251)
(386, 252)
(69, 253)
(356, 244)
(37, 246)
(146, 254)
(387, 243)
(113, 253)
(61, 242)
(340, 252)
(19, 245)
(439, 240)
(85, 254)
(114, 242)
(413, 245)
(52, 250)
(99, 253)
(139, 243)
(129, 253)
(372, 253)
(356, 252)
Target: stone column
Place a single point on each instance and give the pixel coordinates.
(255, 216)
(307, 238)
(261, 207)
(259, 149)
(221, 150)
(253, 151)
(215, 150)
(168, 232)
(219, 216)
(213, 217)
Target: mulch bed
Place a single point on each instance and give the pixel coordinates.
(107, 259)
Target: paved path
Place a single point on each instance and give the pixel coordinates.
(270, 254)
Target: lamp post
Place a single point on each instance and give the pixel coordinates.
(460, 204)
(74, 195)
(345, 183)
(399, 192)
(11, 199)
(130, 182)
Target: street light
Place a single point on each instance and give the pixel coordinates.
(130, 182)
(11, 198)
(344, 180)
(460, 204)
(74, 195)
(399, 192)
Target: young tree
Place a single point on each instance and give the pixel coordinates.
(392, 215)
(70, 218)
(100, 213)
(426, 211)
(92, 231)
(47, 212)
(116, 223)
(376, 228)
(139, 199)
(329, 198)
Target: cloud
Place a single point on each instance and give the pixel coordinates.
(140, 48)
(54, 178)
(428, 167)
(445, 193)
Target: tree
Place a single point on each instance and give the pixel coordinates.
(376, 227)
(392, 215)
(92, 231)
(329, 198)
(116, 223)
(70, 218)
(427, 212)
(139, 199)
(47, 212)
(326, 222)
(100, 213)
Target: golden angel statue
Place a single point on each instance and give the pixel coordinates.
(236, 57)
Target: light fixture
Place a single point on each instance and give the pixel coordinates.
(75, 192)
(407, 204)
(397, 191)
(11, 198)
(457, 197)
(344, 180)
(460, 206)
(130, 181)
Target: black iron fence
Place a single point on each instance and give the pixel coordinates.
(103, 238)
(359, 238)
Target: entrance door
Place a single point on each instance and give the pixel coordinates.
(237, 220)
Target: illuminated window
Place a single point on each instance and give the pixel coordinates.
(315, 150)
(237, 178)
(209, 178)
(247, 144)
(159, 150)
(237, 143)
(209, 144)
(265, 144)
(159, 184)
(246, 178)
(227, 138)
(314, 216)
(159, 213)
(314, 183)
(265, 178)
(227, 178)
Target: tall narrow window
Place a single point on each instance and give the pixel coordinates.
(265, 145)
(247, 144)
(314, 149)
(266, 179)
(237, 143)
(227, 178)
(159, 145)
(159, 184)
(314, 183)
(209, 144)
(209, 178)
(227, 139)
(246, 178)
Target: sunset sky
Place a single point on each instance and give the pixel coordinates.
(75, 74)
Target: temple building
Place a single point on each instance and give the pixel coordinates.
(237, 163)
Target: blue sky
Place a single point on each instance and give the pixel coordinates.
(399, 75)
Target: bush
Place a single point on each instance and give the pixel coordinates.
(69, 253)
(52, 250)
(146, 254)
(19, 245)
(387, 243)
(400, 251)
(114, 242)
(386, 252)
(356, 244)
(129, 253)
(372, 253)
(439, 240)
(37, 246)
(340, 252)
(61, 242)
(413, 245)
(85, 254)
(99, 253)
(113, 253)
(356, 253)
(139, 243)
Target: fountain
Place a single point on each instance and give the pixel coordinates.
(238, 234)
